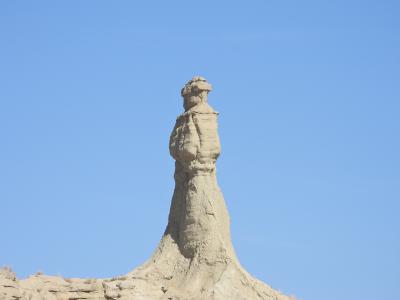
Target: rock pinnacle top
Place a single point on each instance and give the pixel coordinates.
(197, 84)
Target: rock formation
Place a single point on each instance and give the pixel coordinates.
(195, 259)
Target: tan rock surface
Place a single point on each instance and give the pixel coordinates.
(195, 259)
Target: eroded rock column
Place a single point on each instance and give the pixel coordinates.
(198, 219)
(195, 259)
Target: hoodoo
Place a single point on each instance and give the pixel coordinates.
(195, 259)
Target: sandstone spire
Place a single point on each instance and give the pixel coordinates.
(195, 258)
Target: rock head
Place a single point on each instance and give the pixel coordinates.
(195, 259)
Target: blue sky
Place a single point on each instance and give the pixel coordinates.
(309, 102)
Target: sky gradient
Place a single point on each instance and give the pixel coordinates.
(309, 100)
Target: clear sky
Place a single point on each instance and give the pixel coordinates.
(309, 100)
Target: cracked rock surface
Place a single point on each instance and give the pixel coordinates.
(195, 259)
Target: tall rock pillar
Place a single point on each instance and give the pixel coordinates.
(195, 259)
(198, 220)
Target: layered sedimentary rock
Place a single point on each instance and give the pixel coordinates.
(195, 259)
